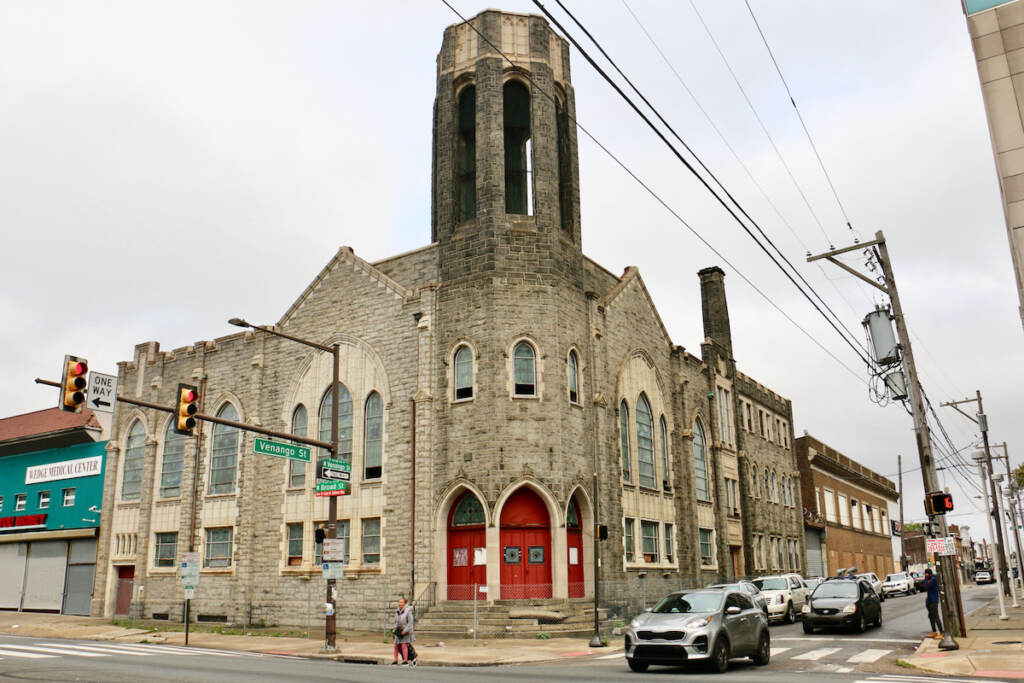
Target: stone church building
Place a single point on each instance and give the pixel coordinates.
(500, 394)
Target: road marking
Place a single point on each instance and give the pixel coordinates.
(867, 640)
(815, 655)
(613, 656)
(899, 678)
(173, 649)
(26, 655)
(867, 656)
(779, 650)
(55, 650)
(844, 670)
(106, 649)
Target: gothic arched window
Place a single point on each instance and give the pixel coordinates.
(134, 456)
(700, 463)
(564, 166)
(463, 373)
(224, 452)
(468, 511)
(344, 423)
(518, 149)
(627, 472)
(174, 458)
(525, 368)
(465, 155)
(574, 377)
(297, 468)
(663, 433)
(645, 442)
(373, 436)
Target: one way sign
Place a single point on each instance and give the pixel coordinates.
(102, 392)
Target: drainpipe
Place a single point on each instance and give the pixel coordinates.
(412, 496)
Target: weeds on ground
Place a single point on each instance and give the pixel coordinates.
(543, 635)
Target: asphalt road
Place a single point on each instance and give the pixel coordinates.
(821, 657)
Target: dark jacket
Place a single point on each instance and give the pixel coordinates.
(931, 584)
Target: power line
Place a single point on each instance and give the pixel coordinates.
(860, 351)
(764, 128)
(799, 116)
(660, 200)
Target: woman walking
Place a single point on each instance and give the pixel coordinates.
(403, 632)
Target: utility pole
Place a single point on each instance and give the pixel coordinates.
(952, 612)
(982, 421)
(1011, 502)
(903, 552)
(981, 457)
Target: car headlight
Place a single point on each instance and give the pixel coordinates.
(850, 609)
(806, 609)
(697, 623)
(634, 624)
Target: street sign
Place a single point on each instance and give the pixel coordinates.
(102, 392)
(189, 571)
(335, 470)
(940, 546)
(331, 488)
(280, 450)
(334, 570)
(190, 593)
(334, 550)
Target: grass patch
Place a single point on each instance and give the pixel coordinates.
(543, 635)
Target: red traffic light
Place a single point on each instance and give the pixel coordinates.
(938, 503)
(187, 406)
(73, 383)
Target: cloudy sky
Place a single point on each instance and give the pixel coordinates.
(167, 166)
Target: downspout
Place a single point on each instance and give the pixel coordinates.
(412, 496)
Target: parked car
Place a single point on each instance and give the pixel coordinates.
(786, 595)
(982, 576)
(876, 583)
(752, 591)
(918, 581)
(812, 583)
(706, 626)
(843, 602)
(898, 583)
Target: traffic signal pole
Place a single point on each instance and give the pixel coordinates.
(949, 595)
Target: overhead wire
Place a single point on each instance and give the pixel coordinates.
(663, 203)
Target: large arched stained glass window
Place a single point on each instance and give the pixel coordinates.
(224, 452)
(297, 468)
(174, 458)
(663, 433)
(134, 457)
(645, 443)
(468, 511)
(344, 423)
(700, 463)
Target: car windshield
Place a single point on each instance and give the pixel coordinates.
(690, 602)
(836, 589)
(895, 577)
(778, 584)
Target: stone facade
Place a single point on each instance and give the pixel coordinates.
(847, 507)
(511, 369)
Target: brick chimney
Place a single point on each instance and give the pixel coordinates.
(715, 308)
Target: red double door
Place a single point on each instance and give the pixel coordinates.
(467, 546)
(525, 547)
(574, 559)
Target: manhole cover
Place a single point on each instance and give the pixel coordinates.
(1006, 642)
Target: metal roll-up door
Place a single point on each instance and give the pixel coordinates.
(814, 564)
(81, 571)
(12, 569)
(44, 576)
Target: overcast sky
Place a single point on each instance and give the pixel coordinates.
(166, 167)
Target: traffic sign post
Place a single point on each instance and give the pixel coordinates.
(189, 576)
(280, 450)
(102, 392)
(335, 470)
(331, 488)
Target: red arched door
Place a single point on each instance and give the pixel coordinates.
(574, 538)
(467, 544)
(525, 547)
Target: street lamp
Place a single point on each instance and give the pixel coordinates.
(332, 505)
(981, 458)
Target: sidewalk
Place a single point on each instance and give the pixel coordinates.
(992, 648)
(364, 647)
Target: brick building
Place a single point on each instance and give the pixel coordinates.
(526, 375)
(846, 511)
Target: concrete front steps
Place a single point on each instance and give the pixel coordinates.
(512, 618)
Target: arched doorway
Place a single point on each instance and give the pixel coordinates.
(525, 547)
(467, 549)
(574, 542)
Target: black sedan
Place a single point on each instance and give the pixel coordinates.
(842, 603)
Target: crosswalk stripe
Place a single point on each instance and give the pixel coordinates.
(867, 656)
(26, 655)
(818, 654)
(171, 649)
(106, 649)
(779, 650)
(55, 650)
(613, 656)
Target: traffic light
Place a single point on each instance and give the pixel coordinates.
(73, 384)
(602, 532)
(319, 534)
(938, 503)
(187, 406)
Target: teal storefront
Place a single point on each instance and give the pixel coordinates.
(49, 520)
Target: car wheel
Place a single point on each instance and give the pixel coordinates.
(720, 656)
(764, 650)
(790, 616)
(878, 621)
(639, 667)
(807, 627)
(862, 624)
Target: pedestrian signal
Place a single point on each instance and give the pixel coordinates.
(73, 384)
(938, 503)
(187, 406)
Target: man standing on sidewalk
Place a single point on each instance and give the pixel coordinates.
(931, 603)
